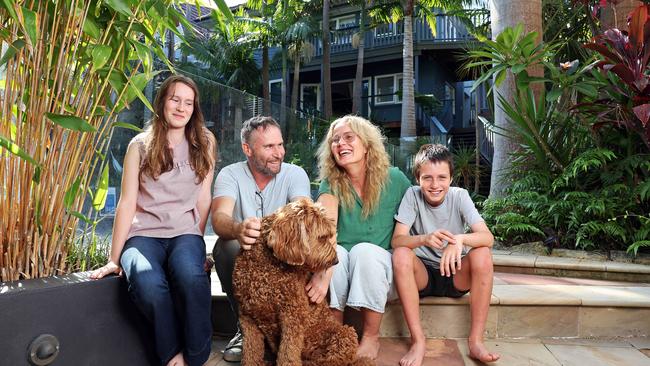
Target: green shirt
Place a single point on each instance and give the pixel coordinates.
(378, 227)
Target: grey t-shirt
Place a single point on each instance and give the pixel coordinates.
(236, 181)
(456, 213)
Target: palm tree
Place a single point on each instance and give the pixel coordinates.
(300, 50)
(325, 66)
(228, 54)
(404, 10)
(503, 14)
(359, 41)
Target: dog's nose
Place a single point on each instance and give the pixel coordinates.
(335, 262)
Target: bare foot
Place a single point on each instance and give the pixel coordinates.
(414, 356)
(368, 347)
(177, 360)
(478, 351)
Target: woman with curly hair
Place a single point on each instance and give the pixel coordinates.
(361, 193)
(159, 223)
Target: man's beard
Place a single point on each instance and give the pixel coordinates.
(262, 168)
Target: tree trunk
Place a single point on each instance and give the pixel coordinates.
(325, 66)
(615, 16)
(296, 79)
(503, 14)
(265, 81)
(408, 95)
(357, 88)
(283, 88)
(171, 52)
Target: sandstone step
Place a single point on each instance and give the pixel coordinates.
(532, 311)
(509, 262)
(522, 306)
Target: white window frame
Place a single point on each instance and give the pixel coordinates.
(338, 20)
(302, 94)
(271, 82)
(368, 79)
(396, 87)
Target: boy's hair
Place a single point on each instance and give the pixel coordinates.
(434, 153)
(254, 123)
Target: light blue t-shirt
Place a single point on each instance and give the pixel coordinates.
(236, 181)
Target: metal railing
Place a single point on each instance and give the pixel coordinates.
(448, 29)
(486, 140)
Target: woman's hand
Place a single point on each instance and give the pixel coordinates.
(451, 257)
(108, 268)
(317, 287)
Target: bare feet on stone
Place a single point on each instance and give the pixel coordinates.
(415, 355)
(478, 352)
(368, 347)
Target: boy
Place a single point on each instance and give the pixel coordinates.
(432, 255)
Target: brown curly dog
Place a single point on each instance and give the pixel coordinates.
(269, 283)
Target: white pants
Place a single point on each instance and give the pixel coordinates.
(363, 278)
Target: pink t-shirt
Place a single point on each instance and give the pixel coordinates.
(167, 207)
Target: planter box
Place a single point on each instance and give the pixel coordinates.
(94, 322)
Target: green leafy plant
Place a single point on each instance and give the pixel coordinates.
(588, 187)
(70, 67)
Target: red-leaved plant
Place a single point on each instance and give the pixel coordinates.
(625, 100)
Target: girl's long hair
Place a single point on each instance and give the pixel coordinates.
(377, 164)
(158, 156)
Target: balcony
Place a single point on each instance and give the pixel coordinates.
(450, 30)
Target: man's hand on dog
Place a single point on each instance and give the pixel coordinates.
(248, 232)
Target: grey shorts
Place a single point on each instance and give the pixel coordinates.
(439, 285)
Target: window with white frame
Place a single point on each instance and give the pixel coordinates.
(275, 90)
(386, 88)
(347, 21)
(310, 97)
(340, 26)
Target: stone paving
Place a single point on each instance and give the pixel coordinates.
(514, 352)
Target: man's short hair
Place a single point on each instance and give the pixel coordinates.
(434, 153)
(254, 123)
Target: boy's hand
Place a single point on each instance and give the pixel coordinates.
(451, 257)
(437, 238)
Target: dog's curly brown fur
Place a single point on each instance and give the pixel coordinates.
(269, 283)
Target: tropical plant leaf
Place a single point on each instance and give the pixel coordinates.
(72, 193)
(30, 26)
(13, 48)
(121, 6)
(70, 122)
(81, 217)
(16, 150)
(101, 54)
(99, 200)
(91, 28)
(128, 126)
(9, 6)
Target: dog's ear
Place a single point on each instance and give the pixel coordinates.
(288, 237)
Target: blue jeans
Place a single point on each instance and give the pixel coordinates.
(168, 284)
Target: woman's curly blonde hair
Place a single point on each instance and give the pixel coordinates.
(377, 164)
